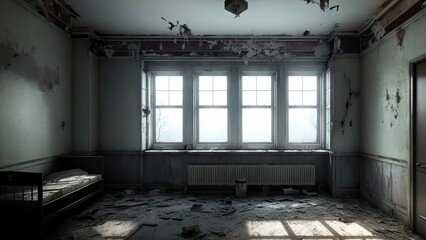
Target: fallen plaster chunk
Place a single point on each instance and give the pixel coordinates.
(150, 224)
(306, 192)
(197, 207)
(218, 232)
(291, 191)
(191, 231)
(228, 210)
(124, 205)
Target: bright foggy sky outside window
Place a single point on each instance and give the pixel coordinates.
(168, 109)
(257, 110)
(212, 109)
(303, 111)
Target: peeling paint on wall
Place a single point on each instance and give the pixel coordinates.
(21, 62)
(400, 34)
(392, 106)
(351, 93)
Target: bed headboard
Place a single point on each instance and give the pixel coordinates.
(91, 164)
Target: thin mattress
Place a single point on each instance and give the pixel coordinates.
(57, 185)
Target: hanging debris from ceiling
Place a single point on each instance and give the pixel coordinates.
(56, 11)
(183, 31)
(323, 4)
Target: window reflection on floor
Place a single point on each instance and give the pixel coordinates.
(266, 229)
(309, 230)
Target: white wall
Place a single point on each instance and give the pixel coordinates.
(346, 137)
(85, 98)
(387, 67)
(347, 73)
(35, 87)
(385, 119)
(119, 105)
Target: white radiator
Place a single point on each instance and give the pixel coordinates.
(256, 175)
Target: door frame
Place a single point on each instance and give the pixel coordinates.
(411, 164)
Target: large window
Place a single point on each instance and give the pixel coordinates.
(303, 120)
(252, 108)
(257, 109)
(212, 109)
(168, 107)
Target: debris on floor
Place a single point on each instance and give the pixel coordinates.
(191, 231)
(161, 215)
(196, 207)
(291, 191)
(309, 193)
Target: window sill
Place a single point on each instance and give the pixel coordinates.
(215, 151)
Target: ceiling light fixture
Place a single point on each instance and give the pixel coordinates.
(236, 6)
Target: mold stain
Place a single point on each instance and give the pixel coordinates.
(387, 95)
(392, 105)
(20, 62)
(398, 97)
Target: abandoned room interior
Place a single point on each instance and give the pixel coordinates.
(213, 119)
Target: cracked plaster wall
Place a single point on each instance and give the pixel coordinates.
(35, 87)
(385, 118)
(385, 93)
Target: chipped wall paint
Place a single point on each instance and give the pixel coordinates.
(385, 119)
(35, 89)
(347, 106)
(17, 60)
(385, 93)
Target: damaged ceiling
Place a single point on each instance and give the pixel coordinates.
(208, 17)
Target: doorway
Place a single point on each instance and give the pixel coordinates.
(419, 146)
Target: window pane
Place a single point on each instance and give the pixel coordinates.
(310, 98)
(309, 83)
(206, 98)
(161, 83)
(295, 98)
(220, 83)
(176, 83)
(213, 125)
(176, 98)
(295, 83)
(264, 98)
(205, 83)
(249, 98)
(257, 125)
(220, 98)
(264, 83)
(162, 98)
(303, 125)
(168, 125)
(249, 83)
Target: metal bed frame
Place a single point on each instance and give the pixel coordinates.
(25, 218)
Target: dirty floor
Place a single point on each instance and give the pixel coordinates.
(160, 215)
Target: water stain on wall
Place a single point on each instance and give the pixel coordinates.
(392, 106)
(19, 61)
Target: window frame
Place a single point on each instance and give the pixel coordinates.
(166, 145)
(320, 139)
(273, 107)
(196, 115)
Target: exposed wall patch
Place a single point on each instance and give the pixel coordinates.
(392, 106)
(21, 62)
(400, 34)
